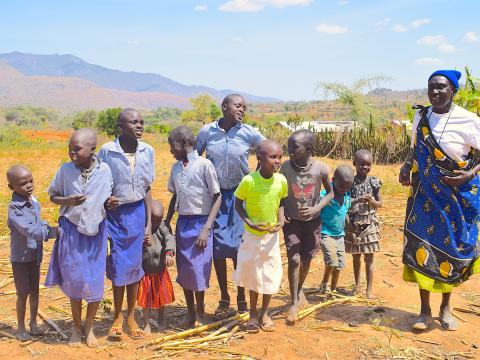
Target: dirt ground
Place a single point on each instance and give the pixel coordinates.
(348, 331)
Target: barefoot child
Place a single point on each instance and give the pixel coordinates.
(303, 225)
(27, 232)
(196, 198)
(364, 234)
(131, 162)
(156, 289)
(334, 217)
(77, 263)
(259, 267)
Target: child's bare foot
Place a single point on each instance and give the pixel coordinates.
(302, 300)
(35, 329)
(292, 314)
(22, 334)
(188, 321)
(200, 318)
(90, 338)
(147, 330)
(76, 338)
(253, 326)
(370, 295)
(266, 323)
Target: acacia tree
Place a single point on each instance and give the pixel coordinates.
(204, 110)
(107, 121)
(353, 96)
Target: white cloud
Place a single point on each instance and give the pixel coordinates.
(399, 28)
(470, 37)
(420, 22)
(383, 22)
(432, 40)
(332, 29)
(448, 48)
(259, 5)
(201, 8)
(237, 39)
(343, 2)
(428, 61)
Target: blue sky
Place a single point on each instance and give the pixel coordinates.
(279, 48)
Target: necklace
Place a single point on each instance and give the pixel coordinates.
(446, 122)
(302, 168)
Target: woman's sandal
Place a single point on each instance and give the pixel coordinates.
(115, 332)
(242, 307)
(253, 326)
(222, 309)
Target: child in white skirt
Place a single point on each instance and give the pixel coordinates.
(259, 264)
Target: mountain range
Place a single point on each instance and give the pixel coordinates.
(69, 83)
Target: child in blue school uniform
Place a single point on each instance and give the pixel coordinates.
(129, 224)
(334, 218)
(78, 260)
(27, 232)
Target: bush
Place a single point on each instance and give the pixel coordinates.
(107, 121)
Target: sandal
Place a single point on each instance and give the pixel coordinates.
(115, 332)
(268, 326)
(253, 326)
(242, 307)
(137, 333)
(422, 322)
(222, 309)
(447, 320)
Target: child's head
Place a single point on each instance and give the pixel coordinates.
(362, 160)
(181, 140)
(157, 214)
(130, 122)
(234, 107)
(342, 179)
(81, 147)
(20, 180)
(300, 144)
(269, 156)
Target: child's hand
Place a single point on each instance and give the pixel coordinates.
(308, 213)
(169, 260)
(111, 203)
(147, 238)
(203, 238)
(276, 228)
(287, 220)
(257, 227)
(75, 199)
(367, 199)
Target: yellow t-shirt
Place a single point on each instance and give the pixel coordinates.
(262, 198)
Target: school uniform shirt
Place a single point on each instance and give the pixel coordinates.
(128, 187)
(27, 229)
(96, 184)
(262, 198)
(228, 151)
(194, 184)
(333, 215)
(456, 131)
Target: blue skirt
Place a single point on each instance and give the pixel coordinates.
(126, 231)
(194, 265)
(227, 229)
(77, 262)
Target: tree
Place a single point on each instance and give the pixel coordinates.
(84, 119)
(353, 96)
(107, 121)
(204, 110)
(469, 96)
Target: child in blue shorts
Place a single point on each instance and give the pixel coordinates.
(334, 216)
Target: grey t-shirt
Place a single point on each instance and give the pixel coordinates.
(304, 186)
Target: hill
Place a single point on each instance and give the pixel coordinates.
(72, 66)
(73, 94)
